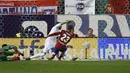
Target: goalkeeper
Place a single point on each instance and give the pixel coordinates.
(9, 52)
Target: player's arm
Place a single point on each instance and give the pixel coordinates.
(53, 34)
(67, 21)
(59, 24)
(62, 23)
(16, 50)
(14, 57)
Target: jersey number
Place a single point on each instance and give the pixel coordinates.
(65, 38)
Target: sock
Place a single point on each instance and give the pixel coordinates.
(60, 57)
(38, 55)
(42, 54)
(53, 56)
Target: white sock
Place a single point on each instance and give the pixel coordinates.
(42, 54)
(38, 55)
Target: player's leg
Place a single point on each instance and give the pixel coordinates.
(55, 52)
(35, 56)
(43, 53)
(69, 57)
(48, 46)
(62, 53)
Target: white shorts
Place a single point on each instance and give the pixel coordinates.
(49, 43)
(47, 48)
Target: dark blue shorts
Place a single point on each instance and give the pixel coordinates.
(56, 51)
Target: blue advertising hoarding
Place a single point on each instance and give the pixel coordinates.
(114, 48)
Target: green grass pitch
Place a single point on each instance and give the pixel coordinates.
(65, 67)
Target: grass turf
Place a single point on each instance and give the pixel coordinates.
(65, 67)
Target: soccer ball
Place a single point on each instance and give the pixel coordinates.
(86, 45)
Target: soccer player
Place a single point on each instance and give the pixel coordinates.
(9, 52)
(64, 37)
(49, 43)
(8, 55)
(10, 47)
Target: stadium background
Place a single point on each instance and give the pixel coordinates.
(109, 20)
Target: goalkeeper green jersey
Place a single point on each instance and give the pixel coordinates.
(8, 47)
(4, 54)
